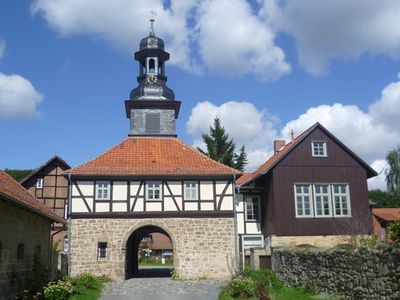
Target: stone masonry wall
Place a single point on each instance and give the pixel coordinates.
(20, 226)
(203, 247)
(358, 274)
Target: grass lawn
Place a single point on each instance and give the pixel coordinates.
(89, 294)
(284, 294)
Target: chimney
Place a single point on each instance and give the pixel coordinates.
(278, 144)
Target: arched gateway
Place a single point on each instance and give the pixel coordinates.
(132, 240)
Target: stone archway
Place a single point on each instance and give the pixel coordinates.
(132, 241)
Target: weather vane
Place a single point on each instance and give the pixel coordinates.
(153, 14)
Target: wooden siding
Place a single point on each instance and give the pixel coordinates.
(301, 167)
(54, 192)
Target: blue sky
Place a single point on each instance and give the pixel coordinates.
(264, 67)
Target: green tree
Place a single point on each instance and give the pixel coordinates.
(222, 148)
(18, 175)
(393, 172)
(383, 199)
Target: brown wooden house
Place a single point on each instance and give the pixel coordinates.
(49, 186)
(313, 190)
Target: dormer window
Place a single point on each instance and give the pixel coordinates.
(319, 149)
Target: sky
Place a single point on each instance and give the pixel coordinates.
(264, 67)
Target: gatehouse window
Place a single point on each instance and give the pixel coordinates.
(191, 190)
(153, 190)
(39, 183)
(103, 190)
(102, 251)
(20, 251)
(252, 208)
(319, 149)
(152, 123)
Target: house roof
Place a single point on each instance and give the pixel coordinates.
(276, 158)
(387, 214)
(243, 178)
(34, 172)
(152, 156)
(14, 192)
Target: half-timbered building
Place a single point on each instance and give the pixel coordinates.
(48, 184)
(152, 182)
(313, 190)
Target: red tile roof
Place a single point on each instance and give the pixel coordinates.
(387, 214)
(243, 178)
(17, 194)
(152, 156)
(270, 163)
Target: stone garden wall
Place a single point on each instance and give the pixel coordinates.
(203, 247)
(355, 274)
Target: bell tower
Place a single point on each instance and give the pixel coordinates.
(152, 108)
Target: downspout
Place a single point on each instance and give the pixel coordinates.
(69, 222)
(237, 259)
(51, 247)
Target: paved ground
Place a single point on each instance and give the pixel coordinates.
(154, 283)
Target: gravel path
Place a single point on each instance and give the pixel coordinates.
(153, 284)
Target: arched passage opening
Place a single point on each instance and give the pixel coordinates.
(149, 252)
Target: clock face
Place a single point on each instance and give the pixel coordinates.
(151, 78)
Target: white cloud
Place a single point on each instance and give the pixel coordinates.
(2, 48)
(231, 39)
(243, 122)
(340, 29)
(18, 97)
(234, 41)
(371, 135)
(378, 182)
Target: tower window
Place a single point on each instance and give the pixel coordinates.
(152, 123)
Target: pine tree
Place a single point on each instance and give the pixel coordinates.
(222, 148)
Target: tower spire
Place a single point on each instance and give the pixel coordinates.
(152, 19)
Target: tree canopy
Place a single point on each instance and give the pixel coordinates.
(221, 147)
(18, 175)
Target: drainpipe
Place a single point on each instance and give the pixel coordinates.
(51, 248)
(69, 222)
(237, 259)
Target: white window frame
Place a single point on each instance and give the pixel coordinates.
(340, 194)
(258, 218)
(192, 189)
(254, 245)
(99, 251)
(324, 150)
(315, 195)
(39, 183)
(302, 194)
(101, 187)
(150, 187)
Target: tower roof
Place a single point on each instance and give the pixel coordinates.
(152, 156)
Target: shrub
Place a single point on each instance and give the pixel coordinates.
(60, 290)
(264, 275)
(368, 241)
(242, 287)
(174, 275)
(86, 280)
(394, 231)
(382, 246)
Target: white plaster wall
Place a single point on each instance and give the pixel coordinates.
(169, 204)
(139, 205)
(191, 206)
(102, 207)
(227, 203)
(206, 190)
(134, 188)
(175, 186)
(153, 206)
(120, 190)
(120, 207)
(220, 185)
(239, 201)
(206, 206)
(86, 188)
(253, 228)
(78, 205)
(240, 223)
